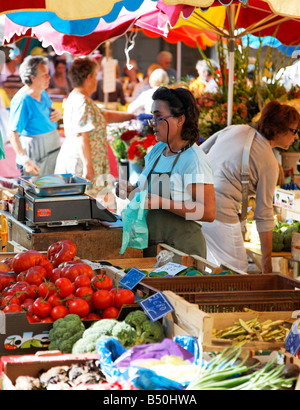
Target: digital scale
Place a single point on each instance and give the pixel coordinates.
(60, 204)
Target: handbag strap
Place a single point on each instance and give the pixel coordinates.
(245, 175)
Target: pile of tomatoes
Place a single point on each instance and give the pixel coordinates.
(31, 284)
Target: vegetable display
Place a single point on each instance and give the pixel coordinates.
(136, 329)
(282, 236)
(50, 289)
(227, 372)
(253, 330)
(65, 333)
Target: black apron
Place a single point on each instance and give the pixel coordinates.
(167, 227)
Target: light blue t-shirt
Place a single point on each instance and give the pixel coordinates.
(30, 117)
(192, 167)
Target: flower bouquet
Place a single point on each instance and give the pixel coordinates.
(139, 148)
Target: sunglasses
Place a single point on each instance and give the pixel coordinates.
(155, 121)
(294, 130)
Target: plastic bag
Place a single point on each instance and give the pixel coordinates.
(135, 229)
(110, 349)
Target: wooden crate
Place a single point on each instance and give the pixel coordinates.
(221, 321)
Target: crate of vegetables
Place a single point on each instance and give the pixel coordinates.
(255, 330)
(38, 289)
(234, 293)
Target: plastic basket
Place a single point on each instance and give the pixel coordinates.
(234, 293)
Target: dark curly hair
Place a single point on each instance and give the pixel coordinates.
(181, 102)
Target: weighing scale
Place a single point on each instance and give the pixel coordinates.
(63, 203)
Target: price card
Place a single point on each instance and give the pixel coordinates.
(292, 342)
(171, 268)
(156, 306)
(132, 278)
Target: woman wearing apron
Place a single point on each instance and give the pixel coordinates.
(32, 122)
(177, 175)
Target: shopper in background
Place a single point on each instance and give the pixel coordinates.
(165, 59)
(59, 81)
(205, 76)
(144, 85)
(177, 176)
(33, 122)
(143, 103)
(277, 127)
(130, 78)
(84, 151)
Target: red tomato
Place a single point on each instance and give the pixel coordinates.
(93, 316)
(35, 275)
(54, 300)
(41, 308)
(46, 289)
(111, 313)
(102, 299)
(47, 320)
(27, 303)
(6, 279)
(123, 297)
(73, 271)
(12, 308)
(59, 312)
(33, 318)
(79, 307)
(55, 275)
(82, 281)
(65, 287)
(10, 300)
(102, 282)
(31, 292)
(85, 293)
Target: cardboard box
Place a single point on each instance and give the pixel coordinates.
(18, 336)
(30, 365)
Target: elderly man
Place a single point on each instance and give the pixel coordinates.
(165, 59)
(33, 122)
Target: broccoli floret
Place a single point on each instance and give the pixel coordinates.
(125, 334)
(136, 320)
(106, 325)
(152, 332)
(65, 333)
(90, 338)
(277, 242)
(85, 345)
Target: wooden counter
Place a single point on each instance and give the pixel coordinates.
(96, 244)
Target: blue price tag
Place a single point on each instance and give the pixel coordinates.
(292, 342)
(132, 278)
(156, 306)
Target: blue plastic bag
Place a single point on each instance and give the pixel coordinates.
(110, 349)
(135, 229)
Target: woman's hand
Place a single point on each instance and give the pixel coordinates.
(55, 115)
(88, 173)
(31, 168)
(124, 189)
